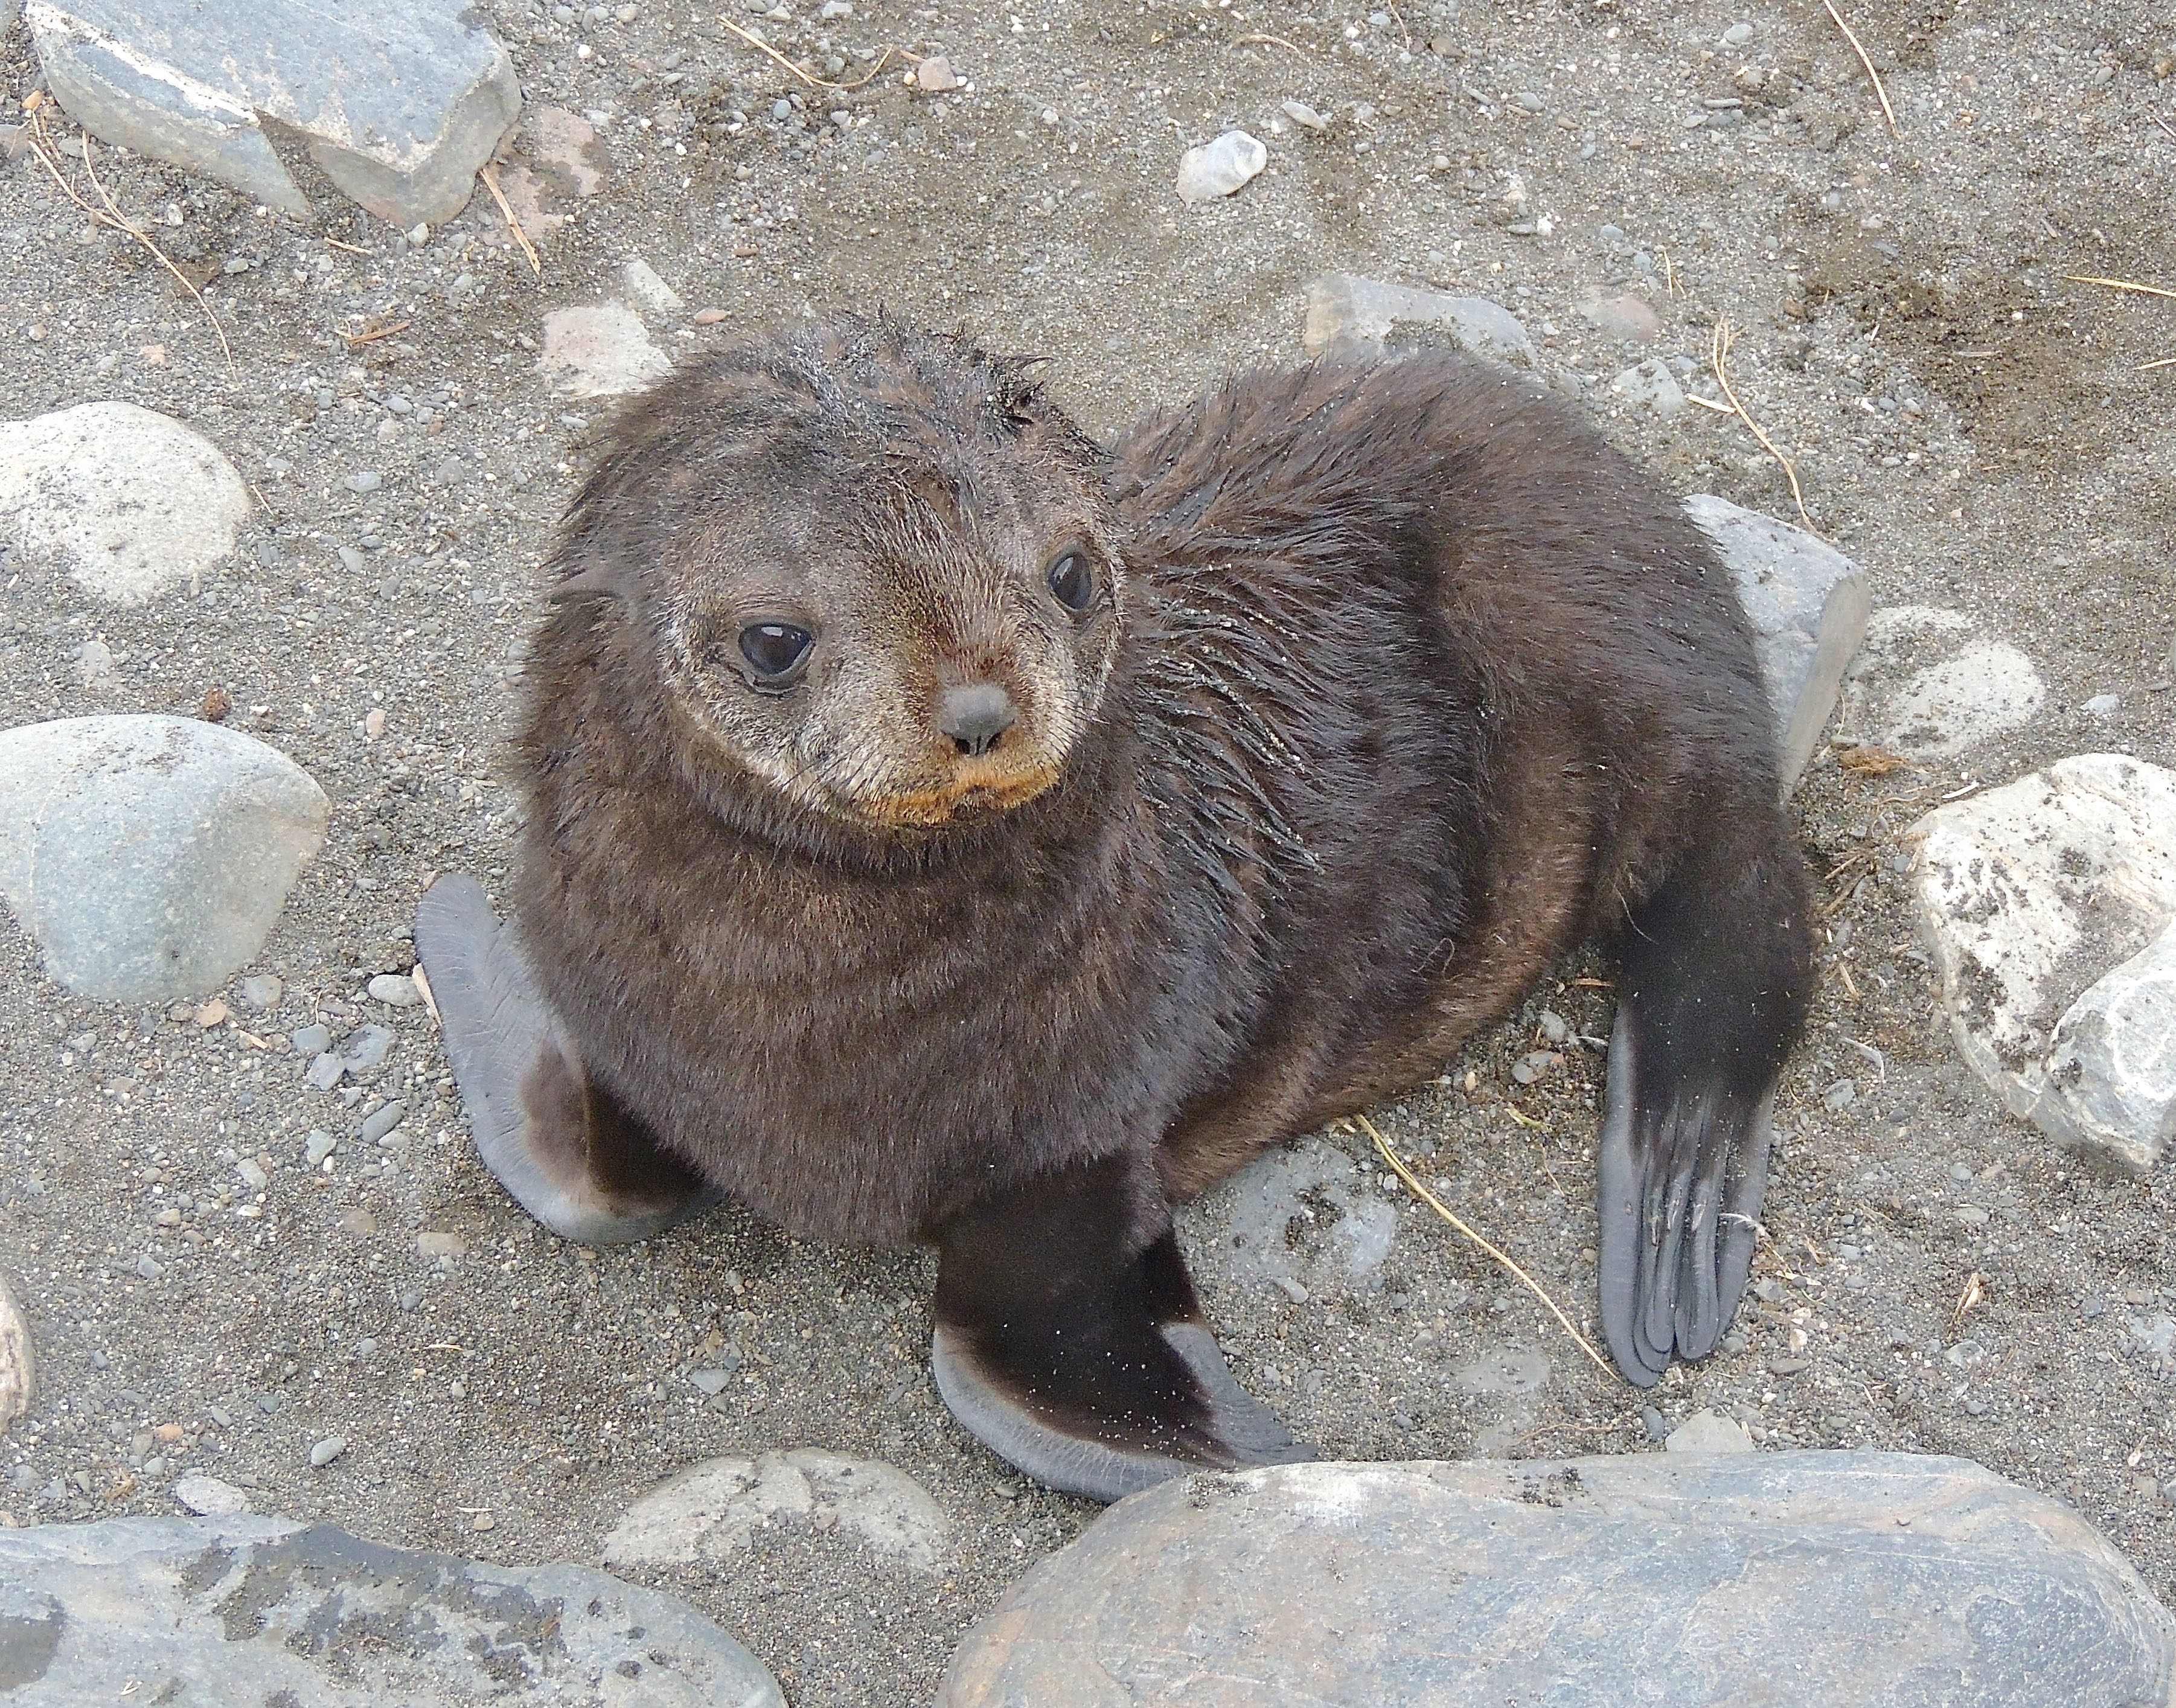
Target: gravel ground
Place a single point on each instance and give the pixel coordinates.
(1976, 430)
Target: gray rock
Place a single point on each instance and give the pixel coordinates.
(1708, 1432)
(208, 1497)
(322, 1453)
(129, 503)
(1807, 604)
(318, 1146)
(1926, 684)
(365, 1049)
(326, 1070)
(396, 990)
(398, 101)
(1221, 168)
(647, 289)
(312, 1040)
(706, 1513)
(599, 351)
(1303, 1214)
(2026, 895)
(2112, 1062)
(1621, 315)
(1345, 312)
(149, 856)
(381, 1122)
(1299, 113)
(257, 1610)
(261, 991)
(1686, 1580)
(1650, 385)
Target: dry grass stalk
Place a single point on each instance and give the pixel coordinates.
(2165, 361)
(1888, 111)
(2121, 285)
(1256, 38)
(1719, 358)
(1973, 1295)
(490, 177)
(810, 78)
(356, 341)
(351, 248)
(47, 150)
(1413, 1184)
(1710, 403)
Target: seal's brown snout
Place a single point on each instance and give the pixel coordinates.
(975, 716)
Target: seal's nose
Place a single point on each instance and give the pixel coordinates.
(975, 715)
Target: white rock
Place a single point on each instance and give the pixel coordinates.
(1347, 312)
(2027, 894)
(1221, 168)
(647, 289)
(1709, 1432)
(1807, 604)
(1304, 1213)
(1650, 385)
(600, 352)
(397, 102)
(396, 990)
(2103, 706)
(208, 1497)
(2112, 1062)
(1927, 685)
(127, 502)
(19, 1361)
(1299, 113)
(705, 1514)
(149, 856)
(935, 75)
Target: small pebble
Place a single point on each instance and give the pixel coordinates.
(326, 1450)
(312, 1040)
(1840, 1095)
(1299, 113)
(396, 990)
(935, 75)
(379, 1123)
(212, 1013)
(367, 482)
(2103, 706)
(252, 1175)
(1292, 1290)
(484, 1521)
(1653, 1422)
(318, 1146)
(325, 1071)
(367, 1049)
(1221, 167)
(434, 1242)
(261, 991)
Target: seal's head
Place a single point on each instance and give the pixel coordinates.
(875, 570)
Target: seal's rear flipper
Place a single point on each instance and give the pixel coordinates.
(572, 1156)
(1077, 1352)
(1712, 993)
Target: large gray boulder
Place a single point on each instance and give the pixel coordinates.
(1678, 1580)
(148, 856)
(397, 102)
(259, 1610)
(1807, 604)
(130, 503)
(2045, 904)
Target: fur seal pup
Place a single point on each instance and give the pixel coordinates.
(942, 828)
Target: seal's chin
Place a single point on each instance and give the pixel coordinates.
(975, 789)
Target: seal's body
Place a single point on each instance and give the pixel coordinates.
(940, 830)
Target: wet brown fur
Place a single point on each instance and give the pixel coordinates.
(1411, 683)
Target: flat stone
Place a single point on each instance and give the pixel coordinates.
(396, 990)
(1347, 312)
(397, 102)
(2044, 905)
(1221, 168)
(1621, 315)
(261, 1610)
(1928, 685)
(566, 148)
(208, 1497)
(1680, 1581)
(2112, 1062)
(381, 1122)
(1302, 1213)
(705, 1514)
(647, 289)
(599, 351)
(148, 856)
(129, 503)
(19, 1360)
(261, 991)
(436, 1243)
(1708, 1432)
(1650, 384)
(935, 75)
(364, 1050)
(1807, 604)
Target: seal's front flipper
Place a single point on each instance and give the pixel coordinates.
(1712, 993)
(1068, 1340)
(572, 1156)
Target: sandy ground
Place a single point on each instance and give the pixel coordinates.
(1976, 430)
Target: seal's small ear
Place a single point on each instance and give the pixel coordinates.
(591, 583)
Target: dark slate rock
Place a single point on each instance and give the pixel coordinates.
(257, 1610)
(1679, 1580)
(398, 101)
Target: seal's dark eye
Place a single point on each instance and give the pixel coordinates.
(1073, 579)
(774, 651)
